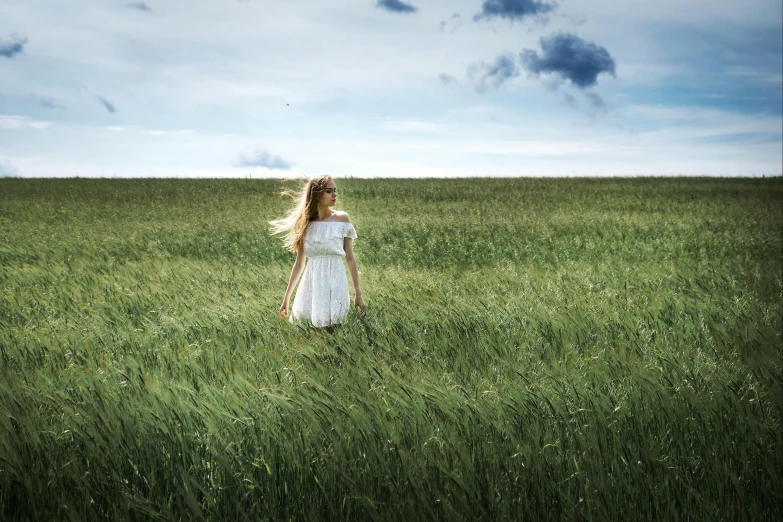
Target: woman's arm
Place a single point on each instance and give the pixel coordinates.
(296, 271)
(350, 260)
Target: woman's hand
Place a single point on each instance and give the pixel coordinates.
(358, 302)
(284, 310)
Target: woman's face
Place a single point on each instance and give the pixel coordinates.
(329, 195)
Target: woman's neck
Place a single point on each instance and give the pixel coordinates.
(324, 213)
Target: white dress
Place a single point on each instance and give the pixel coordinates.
(322, 298)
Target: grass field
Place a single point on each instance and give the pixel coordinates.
(533, 349)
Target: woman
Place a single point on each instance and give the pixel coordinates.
(314, 230)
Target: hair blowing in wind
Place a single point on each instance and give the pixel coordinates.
(295, 223)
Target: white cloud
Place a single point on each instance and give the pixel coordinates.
(8, 121)
(412, 125)
(7, 169)
(155, 132)
(756, 75)
(260, 158)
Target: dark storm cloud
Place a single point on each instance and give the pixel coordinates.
(514, 9)
(106, 103)
(447, 79)
(12, 46)
(396, 6)
(141, 6)
(261, 158)
(571, 57)
(493, 74)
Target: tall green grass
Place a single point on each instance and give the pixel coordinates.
(533, 349)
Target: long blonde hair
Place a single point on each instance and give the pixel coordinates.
(294, 225)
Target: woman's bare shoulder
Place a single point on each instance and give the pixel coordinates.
(342, 216)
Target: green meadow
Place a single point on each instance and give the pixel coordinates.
(533, 349)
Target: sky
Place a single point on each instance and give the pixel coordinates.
(390, 88)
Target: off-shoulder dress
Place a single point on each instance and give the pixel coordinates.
(322, 298)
